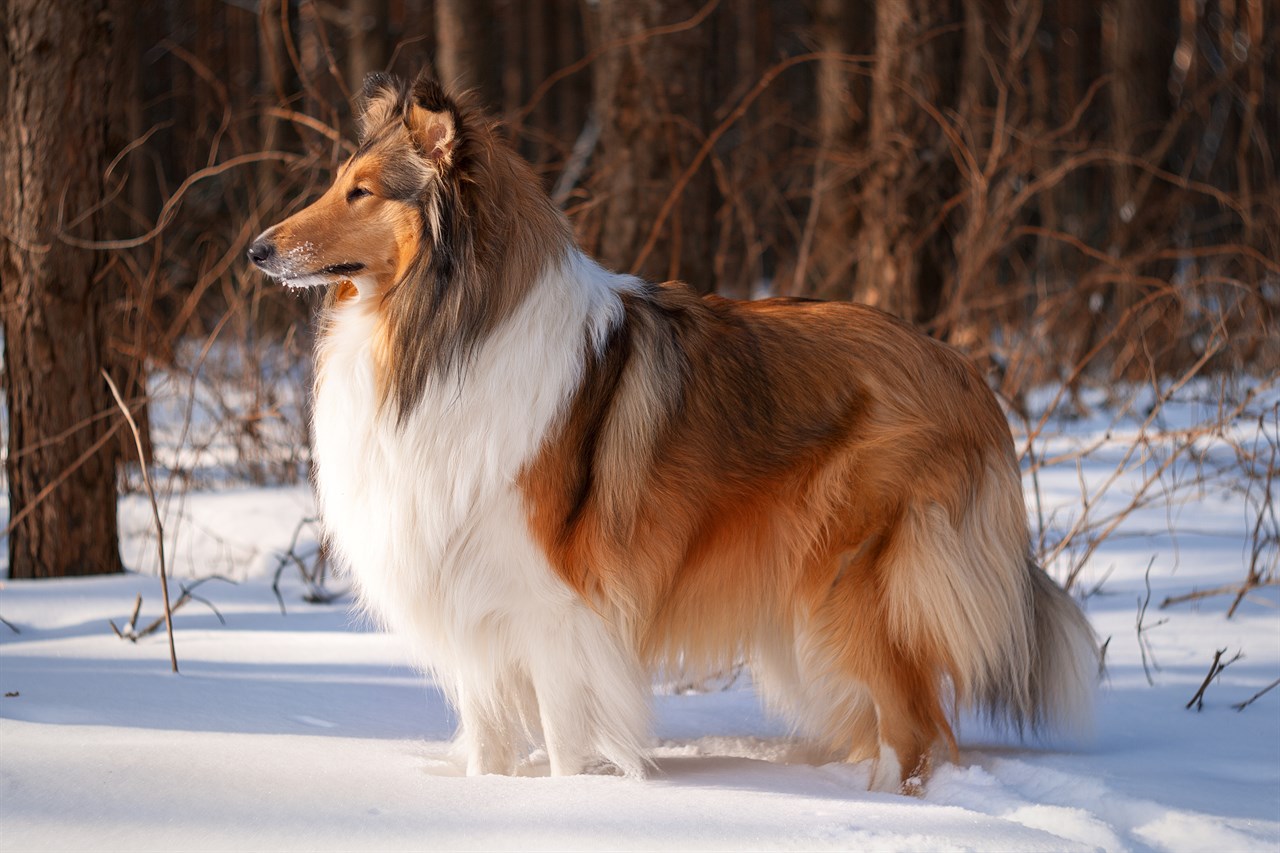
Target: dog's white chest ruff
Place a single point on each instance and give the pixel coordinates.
(421, 508)
(425, 511)
(427, 515)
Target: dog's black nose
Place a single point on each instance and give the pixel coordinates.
(260, 251)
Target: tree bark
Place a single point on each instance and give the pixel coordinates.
(130, 300)
(469, 49)
(889, 268)
(367, 41)
(1139, 39)
(654, 99)
(825, 267)
(52, 157)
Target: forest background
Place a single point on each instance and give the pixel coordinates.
(1076, 194)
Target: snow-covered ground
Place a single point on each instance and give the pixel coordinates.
(308, 730)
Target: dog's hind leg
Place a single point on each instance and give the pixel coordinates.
(871, 700)
(854, 640)
(910, 722)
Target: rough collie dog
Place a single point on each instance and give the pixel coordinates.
(556, 481)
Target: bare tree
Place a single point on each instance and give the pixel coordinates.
(130, 297)
(825, 266)
(62, 461)
(368, 47)
(654, 97)
(470, 43)
(891, 273)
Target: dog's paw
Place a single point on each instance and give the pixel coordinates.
(602, 767)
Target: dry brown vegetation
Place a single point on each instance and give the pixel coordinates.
(1078, 195)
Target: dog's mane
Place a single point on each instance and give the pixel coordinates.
(488, 232)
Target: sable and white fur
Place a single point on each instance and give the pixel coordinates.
(555, 481)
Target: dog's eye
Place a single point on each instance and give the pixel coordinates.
(358, 192)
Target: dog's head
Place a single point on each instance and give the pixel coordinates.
(440, 226)
(371, 224)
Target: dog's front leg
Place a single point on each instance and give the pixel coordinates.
(489, 727)
(593, 702)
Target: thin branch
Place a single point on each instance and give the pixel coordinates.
(155, 515)
(1225, 589)
(574, 67)
(314, 124)
(1142, 629)
(1215, 669)
(1240, 706)
(171, 206)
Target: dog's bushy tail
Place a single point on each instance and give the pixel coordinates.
(1016, 646)
(1064, 660)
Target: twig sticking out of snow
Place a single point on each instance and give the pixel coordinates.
(1143, 643)
(1266, 528)
(155, 515)
(1240, 706)
(314, 579)
(130, 631)
(1215, 669)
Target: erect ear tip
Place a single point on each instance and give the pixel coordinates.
(429, 94)
(376, 82)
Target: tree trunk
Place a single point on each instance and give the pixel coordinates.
(470, 49)
(130, 300)
(367, 41)
(60, 412)
(980, 228)
(655, 101)
(825, 266)
(1139, 39)
(887, 266)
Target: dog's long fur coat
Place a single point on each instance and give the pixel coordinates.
(554, 480)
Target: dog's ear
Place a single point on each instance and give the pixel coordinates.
(378, 101)
(433, 121)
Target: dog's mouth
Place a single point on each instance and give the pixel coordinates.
(342, 269)
(288, 266)
(324, 276)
